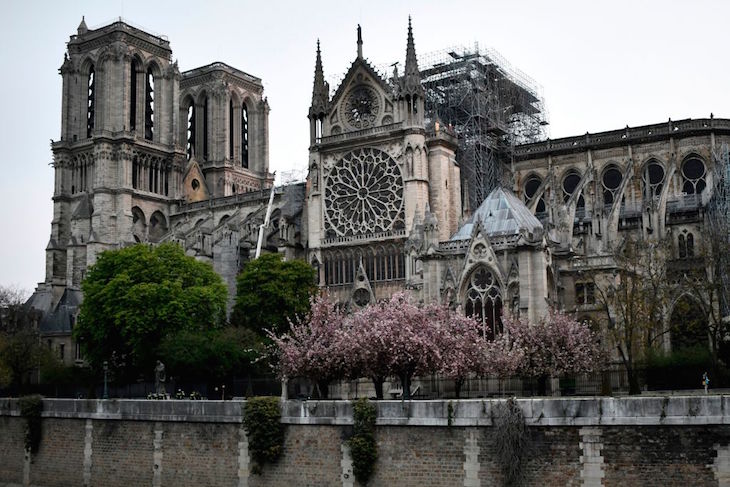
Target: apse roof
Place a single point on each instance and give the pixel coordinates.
(502, 214)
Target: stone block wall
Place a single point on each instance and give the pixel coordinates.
(669, 441)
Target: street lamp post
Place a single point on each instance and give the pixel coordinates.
(106, 388)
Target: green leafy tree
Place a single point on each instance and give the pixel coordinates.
(21, 352)
(211, 355)
(271, 291)
(136, 296)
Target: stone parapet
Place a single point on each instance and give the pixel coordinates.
(581, 411)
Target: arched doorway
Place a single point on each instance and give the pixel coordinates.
(483, 300)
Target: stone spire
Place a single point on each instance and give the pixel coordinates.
(359, 42)
(321, 90)
(82, 29)
(411, 81)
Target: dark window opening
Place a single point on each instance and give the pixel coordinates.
(682, 244)
(230, 130)
(190, 147)
(244, 135)
(693, 173)
(149, 105)
(611, 182)
(90, 102)
(133, 96)
(205, 129)
(569, 184)
(135, 170)
(653, 179)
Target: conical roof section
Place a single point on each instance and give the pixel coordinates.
(502, 214)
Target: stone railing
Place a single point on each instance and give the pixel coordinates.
(577, 411)
(248, 197)
(628, 135)
(358, 238)
(381, 129)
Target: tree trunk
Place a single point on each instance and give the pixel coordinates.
(634, 387)
(378, 383)
(542, 385)
(405, 380)
(457, 387)
(606, 388)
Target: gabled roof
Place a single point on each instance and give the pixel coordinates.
(357, 63)
(502, 214)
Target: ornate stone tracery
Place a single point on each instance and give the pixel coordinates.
(364, 193)
(483, 300)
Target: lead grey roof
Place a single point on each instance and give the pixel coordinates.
(502, 214)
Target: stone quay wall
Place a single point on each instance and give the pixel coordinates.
(667, 441)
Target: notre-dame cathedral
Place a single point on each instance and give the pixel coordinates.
(436, 179)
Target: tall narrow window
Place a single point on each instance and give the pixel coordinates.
(205, 129)
(244, 135)
(91, 82)
(133, 96)
(190, 148)
(230, 130)
(690, 245)
(682, 247)
(318, 129)
(149, 105)
(135, 172)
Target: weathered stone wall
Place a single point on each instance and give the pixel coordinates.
(664, 441)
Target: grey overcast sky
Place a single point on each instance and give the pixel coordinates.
(602, 65)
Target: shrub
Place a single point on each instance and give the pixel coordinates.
(262, 421)
(30, 409)
(363, 449)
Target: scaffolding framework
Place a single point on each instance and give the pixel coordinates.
(489, 105)
(718, 210)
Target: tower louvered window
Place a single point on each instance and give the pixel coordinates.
(244, 135)
(90, 102)
(149, 105)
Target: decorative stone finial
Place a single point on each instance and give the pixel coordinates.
(359, 42)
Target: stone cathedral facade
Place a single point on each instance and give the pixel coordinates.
(150, 154)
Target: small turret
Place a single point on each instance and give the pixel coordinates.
(82, 29)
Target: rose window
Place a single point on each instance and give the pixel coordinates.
(364, 193)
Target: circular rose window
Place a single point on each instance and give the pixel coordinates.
(364, 193)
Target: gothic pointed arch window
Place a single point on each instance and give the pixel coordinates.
(230, 129)
(483, 301)
(90, 101)
(693, 175)
(205, 128)
(190, 131)
(532, 185)
(653, 179)
(611, 182)
(133, 95)
(244, 135)
(149, 105)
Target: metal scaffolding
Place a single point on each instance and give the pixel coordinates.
(489, 105)
(718, 212)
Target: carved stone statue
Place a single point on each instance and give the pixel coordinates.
(160, 378)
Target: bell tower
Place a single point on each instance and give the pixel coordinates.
(118, 166)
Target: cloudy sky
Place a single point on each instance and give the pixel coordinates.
(602, 65)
